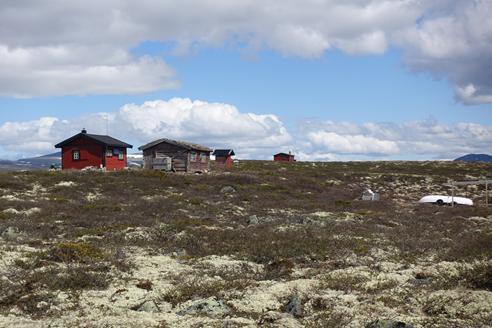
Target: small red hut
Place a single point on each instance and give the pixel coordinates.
(223, 157)
(284, 157)
(84, 150)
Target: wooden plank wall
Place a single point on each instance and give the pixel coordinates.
(181, 158)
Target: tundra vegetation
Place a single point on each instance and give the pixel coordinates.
(264, 244)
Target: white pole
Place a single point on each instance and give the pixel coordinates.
(452, 194)
(486, 192)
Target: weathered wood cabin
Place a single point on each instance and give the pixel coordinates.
(178, 156)
(223, 157)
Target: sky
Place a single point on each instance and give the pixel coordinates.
(325, 79)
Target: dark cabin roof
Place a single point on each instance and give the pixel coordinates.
(283, 154)
(104, 140)
(181, 144)
(223, 152)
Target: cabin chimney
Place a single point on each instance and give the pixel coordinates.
(84, 131)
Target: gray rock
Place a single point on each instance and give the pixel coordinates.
(11, 233)
(421, 281)
(209, 307)
(253, 220)
(227, 190)
(148, 306)
(381, 323)
(294, 307)
(179, 253)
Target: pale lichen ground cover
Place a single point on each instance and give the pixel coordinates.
(287, 246)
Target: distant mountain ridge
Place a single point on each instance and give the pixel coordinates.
(475, 158)
(44, 161)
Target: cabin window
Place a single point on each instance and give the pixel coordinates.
(75, 155)
(203, 157)
(109, 152)
(119, 153)
(193, 156)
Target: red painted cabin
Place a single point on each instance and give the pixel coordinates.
(283, 157)
(84, 150)
(223, 157)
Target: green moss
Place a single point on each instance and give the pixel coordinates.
(201, 187)
(102, 207)
(195, 201)
(74, 252)
(59, 199)
(344, 281)
(361, 247)
(102, 230)
(343, 203)
(154, 174)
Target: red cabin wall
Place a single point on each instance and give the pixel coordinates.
(113, 163)
(283, 158)
(225, 161)
(90, 155)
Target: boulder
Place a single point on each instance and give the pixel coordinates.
(149, 306)
(227, 190)
(253, 220)
(209, 307)
(11, 233)
(294, 307)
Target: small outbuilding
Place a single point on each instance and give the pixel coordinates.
(173, 155)
(86, 150)
(368, 194)
(223, 157)
(284, 157)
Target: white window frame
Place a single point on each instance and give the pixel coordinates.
(76, 155)
(193, 156)
(203, 157)
(121, 156)
(109, 152)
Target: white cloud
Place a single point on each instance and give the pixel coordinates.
(316, 156)
(212, 124)
(84, 47)
(252, 135)
(22, 134)
(67, 70)
(453, 41)
(424, 139)
(370, 43)
(351, 144)
(468, 95)
(298, 40)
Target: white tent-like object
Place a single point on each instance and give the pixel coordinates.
(368, 194)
